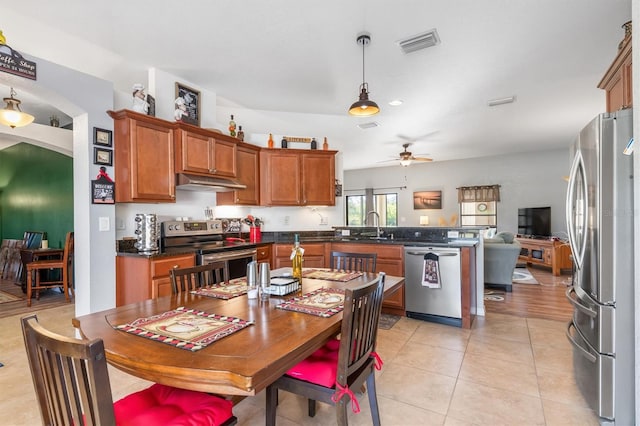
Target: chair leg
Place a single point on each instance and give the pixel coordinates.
(65, 285)
(373, 398)
(312, 407)
(272, 402)
(341, 411)
(29, 285)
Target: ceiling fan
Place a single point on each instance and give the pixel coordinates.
(406, 157)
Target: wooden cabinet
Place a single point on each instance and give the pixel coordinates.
(143, 158)
(140, 278)
(263, 253)
(248, 173)
(291, 177)
(552, 254)
(617, 82)
(315, 255)
(204, 152)
(389, 259)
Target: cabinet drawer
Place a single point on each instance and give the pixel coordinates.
(263, 253)
(161, 267)
(310, 249)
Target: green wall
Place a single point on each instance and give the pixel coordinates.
(36, 193)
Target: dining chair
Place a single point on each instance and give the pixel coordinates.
(362, 262)
(72, 386)
(332, 372)
(63, 264)
(189, 279)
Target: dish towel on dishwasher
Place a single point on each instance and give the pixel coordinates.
(431, 271)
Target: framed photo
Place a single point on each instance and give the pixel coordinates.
(102, 137)
(102, 156)
(427, 200)
(188, 109)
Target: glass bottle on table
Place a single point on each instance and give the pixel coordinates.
(297, 258)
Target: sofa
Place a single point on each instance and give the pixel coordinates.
(500, 258)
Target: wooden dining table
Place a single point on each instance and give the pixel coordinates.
(242, 363)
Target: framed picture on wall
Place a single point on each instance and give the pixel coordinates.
(101, 156)
(427, 200)
(102, 137)
(187, 105)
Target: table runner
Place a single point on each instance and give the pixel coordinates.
(332, 275)
(185, 328)
(323, 302)
(235, 287)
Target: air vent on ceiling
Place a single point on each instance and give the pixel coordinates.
(419, 41)
(369, 125)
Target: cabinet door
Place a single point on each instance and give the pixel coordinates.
(248, 174)
(263, 253)
(280, 173)
(224, 158)
(161, 287)
(318, 179)
(195, 152)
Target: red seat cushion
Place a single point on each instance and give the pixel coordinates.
(320, 367)
(165, 405)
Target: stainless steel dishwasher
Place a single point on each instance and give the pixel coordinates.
(443, 304)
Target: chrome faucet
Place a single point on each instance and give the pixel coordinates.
(376, 221)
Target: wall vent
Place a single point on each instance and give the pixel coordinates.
(369, 125)
(419, 41)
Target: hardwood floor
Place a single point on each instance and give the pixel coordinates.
(48, 299)
(545, 300)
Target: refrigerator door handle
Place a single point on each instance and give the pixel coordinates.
(579, 306)
(576, 345)
(577, 247)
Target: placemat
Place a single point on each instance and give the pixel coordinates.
(184, 328)
(323, 302)
(234, 288)
(332, 275)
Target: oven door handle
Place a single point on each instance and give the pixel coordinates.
(229, 255)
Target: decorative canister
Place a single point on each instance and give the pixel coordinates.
(147, 233)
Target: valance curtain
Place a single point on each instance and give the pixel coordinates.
(470, 194)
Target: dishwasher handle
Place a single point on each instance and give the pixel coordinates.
(422, 253)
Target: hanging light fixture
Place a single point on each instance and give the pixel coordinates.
(11, 115)
(364, 107)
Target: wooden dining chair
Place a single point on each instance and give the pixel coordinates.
(189, 279)
(72, 386)
(340, 367)
(63, 264)
(362, 262)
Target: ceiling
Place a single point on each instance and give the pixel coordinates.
(297, 68)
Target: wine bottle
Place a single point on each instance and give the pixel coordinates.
(297, 259)
(240, 133)
(314, 143)
(232, 127)
(270, 141)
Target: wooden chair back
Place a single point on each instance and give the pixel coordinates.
(189, 279)
(362, 262)
(64, 264)
(70, 377)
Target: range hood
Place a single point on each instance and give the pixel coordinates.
(191, 182)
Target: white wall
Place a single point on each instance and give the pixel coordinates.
(528, 180)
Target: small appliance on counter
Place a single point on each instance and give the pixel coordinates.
(147, 233)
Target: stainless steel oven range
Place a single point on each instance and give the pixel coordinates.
(207, 239)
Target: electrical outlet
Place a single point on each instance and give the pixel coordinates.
(103, 224)
(285, 220)
(120, 224)
(324, 220)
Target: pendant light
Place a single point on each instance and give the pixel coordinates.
(364, 107)
(11, 115)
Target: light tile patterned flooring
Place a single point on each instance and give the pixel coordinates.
(506, 370)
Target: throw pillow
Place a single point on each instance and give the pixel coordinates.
(506, 236)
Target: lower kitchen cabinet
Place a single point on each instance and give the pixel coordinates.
(390, 260)
(140, 278)
(263, 253)
(314, 255)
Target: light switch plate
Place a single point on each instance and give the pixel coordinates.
(103, 224)
(453, 234)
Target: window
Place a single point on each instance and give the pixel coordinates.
(385, 204)
(478, 205)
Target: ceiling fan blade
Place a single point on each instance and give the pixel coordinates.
(388, 161)
(421, 159)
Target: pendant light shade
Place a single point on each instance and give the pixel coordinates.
(11, 115)
(363, 106)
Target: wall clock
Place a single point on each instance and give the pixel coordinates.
(482, 207)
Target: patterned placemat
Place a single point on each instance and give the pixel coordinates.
(332, 275)
(235, 287)
(323, 302)
(184, 328)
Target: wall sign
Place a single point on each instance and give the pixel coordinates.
(187, 105)
(103, 188)
(12, 62)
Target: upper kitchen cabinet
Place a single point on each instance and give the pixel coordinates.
(204, 152)
(291, 177)
(248, 173)
(617, 82)
(143, 158)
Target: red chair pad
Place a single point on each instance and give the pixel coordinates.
(320, 367)
(165, 405)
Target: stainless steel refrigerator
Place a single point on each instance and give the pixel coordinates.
(600, 226)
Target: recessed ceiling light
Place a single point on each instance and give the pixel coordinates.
(501, 101)
(396, 102)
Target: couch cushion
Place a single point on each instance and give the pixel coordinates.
(507, 237)
(165, 405)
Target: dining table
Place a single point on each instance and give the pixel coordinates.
(242, 363)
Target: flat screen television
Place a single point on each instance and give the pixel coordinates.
(534, 221)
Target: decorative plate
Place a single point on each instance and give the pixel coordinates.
(482, 207)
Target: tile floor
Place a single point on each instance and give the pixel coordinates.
(505, 371)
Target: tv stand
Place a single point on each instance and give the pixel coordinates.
(553, 254)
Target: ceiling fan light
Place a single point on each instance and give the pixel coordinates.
(11, 115)
(405, 162)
